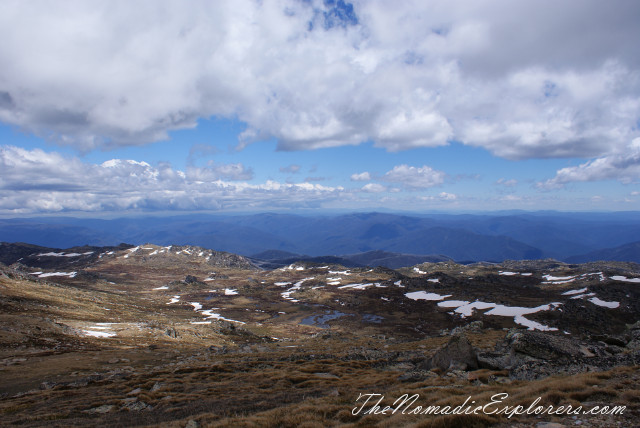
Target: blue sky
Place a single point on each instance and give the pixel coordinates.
(117, 108)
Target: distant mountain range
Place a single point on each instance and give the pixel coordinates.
(359, 238)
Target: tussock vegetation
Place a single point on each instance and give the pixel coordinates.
(159, 369)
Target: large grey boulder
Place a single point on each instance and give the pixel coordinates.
(458, 354)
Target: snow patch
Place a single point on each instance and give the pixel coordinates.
(465, 309)
(360, 286)
(558, 279)
(131, 251)
(423, 295)
(230, 292)
(48, 274)
(598, 302)
(98, 333)
(624, 278)
(572, 292)
(52, 254)
(210, 315)
(287, 294)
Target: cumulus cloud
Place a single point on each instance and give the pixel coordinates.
(521, 79)
(623, 167)
(36, 181)
(363, 176)
(373, 188)
(416, 178)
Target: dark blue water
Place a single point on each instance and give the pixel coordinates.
(372, 318)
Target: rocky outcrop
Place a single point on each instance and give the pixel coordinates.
(532, 355)
(457, 354)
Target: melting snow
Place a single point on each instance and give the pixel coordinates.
(435, 280)
(46, 275)
(175, 299)
(98, 333)
(164, 287)
(340, 272)
(196, 306)
(452, 303)
(131, 251)
(230, 292)
(280, 284)
(360, 286)
(466, 309)
(558, 279)
(210, 315)
(572, 292)
(580, 296)
(287, 294)
(417, 270)
(423, 295)
(624, 278)
(507, 273)
(599, 302)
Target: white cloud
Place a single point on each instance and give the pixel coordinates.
(623, 167)
(448, 196)
(412, 177)
(519, 79)
(363, 176)
(373, 188)
(34, 181)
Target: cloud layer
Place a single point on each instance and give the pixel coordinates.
(623, 167)
(35, 181)
(521, 79)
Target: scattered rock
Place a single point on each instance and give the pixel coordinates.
(192, 424)
(472, 327)
(157, 386)
(190, 279)
(105, 408)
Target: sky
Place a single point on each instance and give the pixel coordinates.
(158, 106)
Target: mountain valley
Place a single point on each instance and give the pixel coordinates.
(179, 335)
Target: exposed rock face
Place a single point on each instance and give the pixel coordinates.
(533, 355)
(458, 354)
(544, 346)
